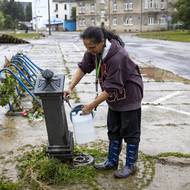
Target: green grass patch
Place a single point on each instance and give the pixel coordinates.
(174, 154)
(180, 36)
(7, 185)
(32, 35)
(39, 171)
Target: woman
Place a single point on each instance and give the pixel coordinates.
(122, 89)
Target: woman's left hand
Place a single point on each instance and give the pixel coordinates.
(88, 108)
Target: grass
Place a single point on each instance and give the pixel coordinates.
(179, 36)
(38, 171)
(7, 185)
(175, 154)
(32, 35)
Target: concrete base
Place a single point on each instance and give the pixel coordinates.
(62, 152)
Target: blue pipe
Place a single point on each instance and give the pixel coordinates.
(18, 62)
(28, 64)
(22, 74)
(25, 57)
(25, 69)
(26, 60)
(18, 91)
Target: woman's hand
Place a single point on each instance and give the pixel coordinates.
(99, 99)
(88, 108)
(67, 94)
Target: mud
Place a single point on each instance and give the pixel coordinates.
(161, 75)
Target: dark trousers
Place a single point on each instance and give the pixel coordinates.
(124, 125)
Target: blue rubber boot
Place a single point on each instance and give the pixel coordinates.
(131, 158)
(113, 156)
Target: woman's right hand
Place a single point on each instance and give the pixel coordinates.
(67, 94)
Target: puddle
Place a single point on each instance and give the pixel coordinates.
(160, 75)
(8, 129)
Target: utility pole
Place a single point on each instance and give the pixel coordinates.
(141, 18)
(109, 15)
(49, 21)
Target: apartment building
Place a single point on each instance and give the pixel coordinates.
(125, 15)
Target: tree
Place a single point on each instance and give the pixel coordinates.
(13, 12)
(28, 12)
(73, 13)
(183, 12)
(2, 20)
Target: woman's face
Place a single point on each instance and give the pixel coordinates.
(92, 47)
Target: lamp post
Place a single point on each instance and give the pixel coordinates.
(49, 21)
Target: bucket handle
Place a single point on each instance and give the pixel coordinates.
(78, 108)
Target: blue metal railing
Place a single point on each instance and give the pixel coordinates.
(25, 73)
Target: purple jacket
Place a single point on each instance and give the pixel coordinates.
(119, 76)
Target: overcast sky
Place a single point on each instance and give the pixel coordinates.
(24, 0)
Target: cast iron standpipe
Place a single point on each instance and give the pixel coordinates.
(49, 88)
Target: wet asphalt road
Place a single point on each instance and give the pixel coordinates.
(172, 56)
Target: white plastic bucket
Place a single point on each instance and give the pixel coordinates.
(83, 125)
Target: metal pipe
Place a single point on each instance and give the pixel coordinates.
(22, 74)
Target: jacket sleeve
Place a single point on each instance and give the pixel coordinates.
(87, 65)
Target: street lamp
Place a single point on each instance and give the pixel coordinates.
(49, 21)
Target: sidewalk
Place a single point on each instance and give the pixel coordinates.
(165, 112)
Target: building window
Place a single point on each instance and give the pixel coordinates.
(114, 21)
(80, 22)
(151, 20)
(150, 4)
(156, 4)
(65, 17)
(83, 22)
(128, 21)
(162, 20)
(102, 13)
(146, 4)
(65, 6)
(81, 9)
(57, 15)
(92, 8)
(126, 6)
(114, 6)
(93, 22)
(131, 6)
(162, 5)
(56, 7)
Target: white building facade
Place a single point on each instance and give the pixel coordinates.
(40, 17)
